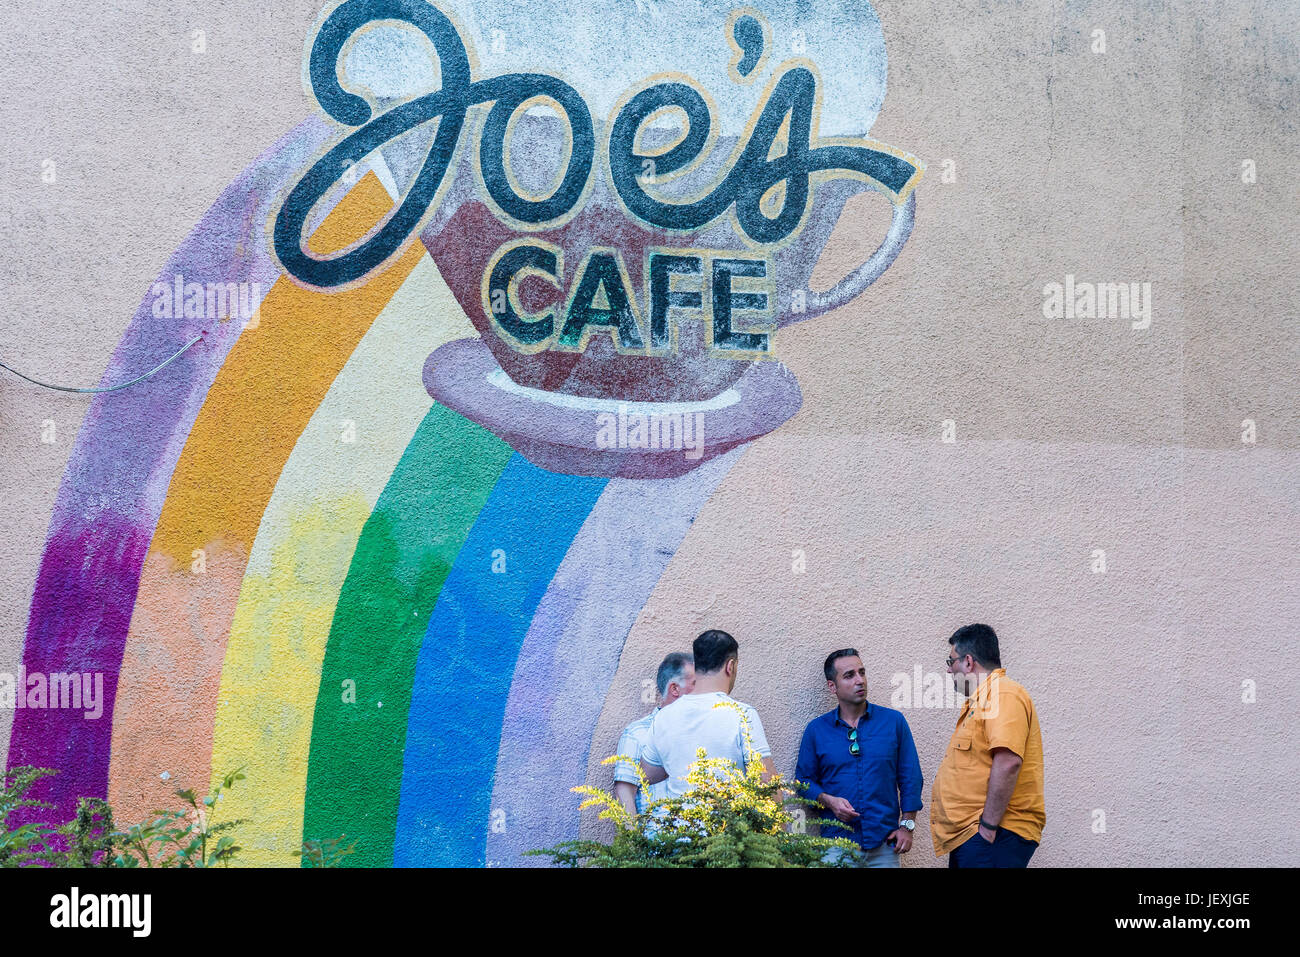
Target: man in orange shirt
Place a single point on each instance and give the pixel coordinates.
(986, 807)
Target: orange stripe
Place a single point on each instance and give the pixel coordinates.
(272, 381)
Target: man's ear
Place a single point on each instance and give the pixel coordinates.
(830, 685)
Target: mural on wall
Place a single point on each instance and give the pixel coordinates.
(508, 316)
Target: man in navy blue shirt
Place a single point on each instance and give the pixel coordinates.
(859, 762)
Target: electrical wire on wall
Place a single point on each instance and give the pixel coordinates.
(111, 388)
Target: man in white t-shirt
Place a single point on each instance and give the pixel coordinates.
(693, 722)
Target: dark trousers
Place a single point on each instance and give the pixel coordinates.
(1008, 850)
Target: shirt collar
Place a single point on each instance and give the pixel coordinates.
(835, 716)
(984, 690)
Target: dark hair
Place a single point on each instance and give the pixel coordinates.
(834, 656)
(712, 649)
(671, 669)
(978, 641)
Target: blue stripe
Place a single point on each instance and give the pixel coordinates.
(467, 662)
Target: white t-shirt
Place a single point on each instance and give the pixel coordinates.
(693, 722)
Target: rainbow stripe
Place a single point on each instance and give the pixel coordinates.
(328, 489)
(282, 555)
(117, 477)
(572, 650)
(467, 661)
(235, 453)
(406, 551)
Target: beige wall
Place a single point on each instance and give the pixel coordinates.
(1072, 435)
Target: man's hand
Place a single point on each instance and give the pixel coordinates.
(987, 834)
(840, 807)
(902, 839)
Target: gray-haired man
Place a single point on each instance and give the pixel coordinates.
(676, 677)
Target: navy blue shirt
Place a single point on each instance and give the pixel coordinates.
(871, 781)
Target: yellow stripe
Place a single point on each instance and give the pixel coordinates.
(326, 493)
(270, 384)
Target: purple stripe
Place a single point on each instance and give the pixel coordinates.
(572, 650)
(119, 472)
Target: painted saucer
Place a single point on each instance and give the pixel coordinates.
(580, 435)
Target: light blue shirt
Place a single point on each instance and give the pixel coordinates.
(632, 743)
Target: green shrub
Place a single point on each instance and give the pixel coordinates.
(325, 853)
(28, 843)
(728, 818)
(178, 838)
(182, 838)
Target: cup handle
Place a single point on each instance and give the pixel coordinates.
(852, 285)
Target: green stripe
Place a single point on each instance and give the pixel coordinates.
(408, 545)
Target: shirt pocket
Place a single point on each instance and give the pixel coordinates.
(963, 745)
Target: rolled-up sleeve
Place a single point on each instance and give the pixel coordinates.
(1007, 725)
(910, 780)
(806, 768)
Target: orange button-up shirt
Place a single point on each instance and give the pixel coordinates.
(1000, 714)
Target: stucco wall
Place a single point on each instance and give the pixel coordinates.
(1159, 681)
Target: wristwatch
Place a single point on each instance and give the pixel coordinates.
(991, 827)
(907, 825)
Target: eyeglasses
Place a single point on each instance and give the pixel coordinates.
(853, 743)
(952, 660)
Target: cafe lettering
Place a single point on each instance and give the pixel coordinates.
(767, 195)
